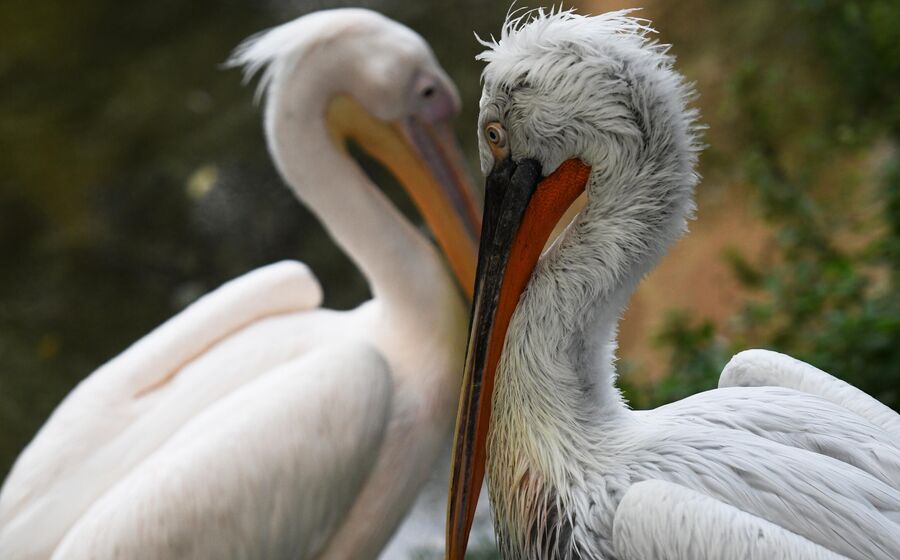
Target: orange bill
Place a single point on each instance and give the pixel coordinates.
(521, 212)
(425, 157)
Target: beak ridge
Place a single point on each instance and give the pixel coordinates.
(428, 162)
(508, 188)
(521, 210)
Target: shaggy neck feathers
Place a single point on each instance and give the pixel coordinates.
(596, 89)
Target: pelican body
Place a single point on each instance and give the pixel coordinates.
(782, 461)
(255, 424)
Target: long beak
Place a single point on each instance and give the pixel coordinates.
(521, 210)
(426, 159)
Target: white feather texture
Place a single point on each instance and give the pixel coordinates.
(564, 451)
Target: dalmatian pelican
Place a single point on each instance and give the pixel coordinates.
(256, 424)
(782, 461)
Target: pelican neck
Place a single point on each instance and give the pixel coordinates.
(399, 264)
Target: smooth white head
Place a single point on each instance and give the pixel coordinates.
(385, 65)
(354, 75)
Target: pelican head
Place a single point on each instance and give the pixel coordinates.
(570, 104)
(376, 83)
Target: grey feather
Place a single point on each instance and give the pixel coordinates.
(564, 449)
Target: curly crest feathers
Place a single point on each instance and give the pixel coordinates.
(533, 33)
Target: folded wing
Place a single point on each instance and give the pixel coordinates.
(758, 368)
(268, 472)
(666, 521)
(127, 408)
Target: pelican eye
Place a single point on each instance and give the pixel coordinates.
(496, 137)
(495, 134)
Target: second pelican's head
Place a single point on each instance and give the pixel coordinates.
(570, 105)
(377, 83)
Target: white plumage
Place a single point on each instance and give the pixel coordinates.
(256, 424)
(758, 368)
(680, 525)
(783, 461)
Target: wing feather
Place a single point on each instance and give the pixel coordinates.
(268, 472)
(794, 419)
(833, 504)
(101, 428)
(756, 368)
(664, 521)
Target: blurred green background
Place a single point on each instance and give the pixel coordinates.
(134, 178)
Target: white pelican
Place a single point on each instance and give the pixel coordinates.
(256, 424)
(782, 461)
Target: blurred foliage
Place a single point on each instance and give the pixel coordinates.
(829, 290)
